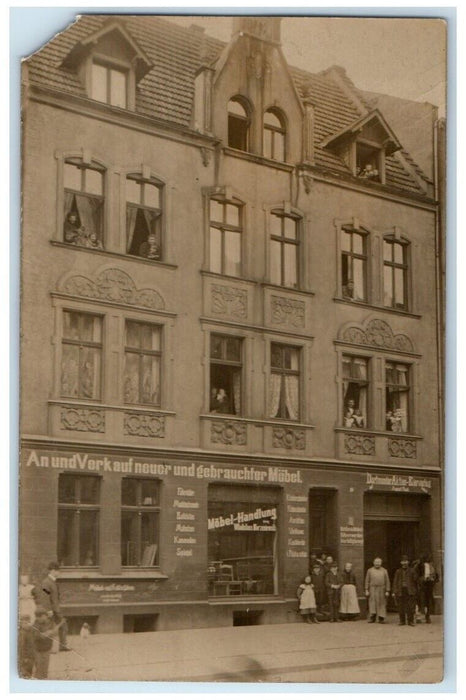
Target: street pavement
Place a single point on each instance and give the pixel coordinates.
(348, 652)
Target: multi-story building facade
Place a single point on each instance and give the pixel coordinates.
(230, 326)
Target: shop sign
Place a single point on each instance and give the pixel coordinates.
(260, 520)
(397, 482)
(101, 464)
(108, 592)
(186, 510)
(296, 507)
(350, 534)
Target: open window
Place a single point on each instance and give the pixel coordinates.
(83, 203)
(274, 135)
(355, 391)
(397, 397)
(225, 374)
(353, 270)
(238, 124)
(143, 217)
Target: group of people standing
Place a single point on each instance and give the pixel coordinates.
(327, 586)
(40, 623)
(331, 594)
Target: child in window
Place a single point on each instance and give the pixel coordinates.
(307, 601)
(358, 419)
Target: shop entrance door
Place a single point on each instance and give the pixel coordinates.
(389, 539)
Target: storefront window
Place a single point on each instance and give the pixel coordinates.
(139, 522)
(78, 520)
(242, 541)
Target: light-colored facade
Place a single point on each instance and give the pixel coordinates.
(247, 289)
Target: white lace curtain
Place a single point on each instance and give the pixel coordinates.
(237, 393)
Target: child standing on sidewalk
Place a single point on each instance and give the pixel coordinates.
(333, 583)
(44, 632)
(307, 601)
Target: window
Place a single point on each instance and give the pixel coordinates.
(81, 355)
(78, 520)
(397, 397)
(143, 218)
(368, 162)
(353, 264)
(238, 125)
(225, 237)
(225, 374)
(284, 250)
(109, 84)
(274, 136)
(140, 506)
(355, 391)
(142, 363)
(84, 204)
(284, 382)
(242, 528)
(395, 269)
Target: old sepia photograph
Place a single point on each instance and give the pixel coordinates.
(232, 325)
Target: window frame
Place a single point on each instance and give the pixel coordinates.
(224, 227)
(225, 362)
(392, 240)
(84, 165)
(285, 372)
(284, 241)
(245, 120)
(364, 233)
(142, 352)
(139, 509)
(406, 388)
(77, 507)
(83, 344)
(282, 130)
(109, 65)
(155, 182)
(367, 383)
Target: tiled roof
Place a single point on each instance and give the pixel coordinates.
(167, 90)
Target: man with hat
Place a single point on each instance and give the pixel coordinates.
(404, 590)
(48, 596)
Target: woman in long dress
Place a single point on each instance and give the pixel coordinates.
(349, 605)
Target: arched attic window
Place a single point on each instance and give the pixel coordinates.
(274, 135)
(238, 124)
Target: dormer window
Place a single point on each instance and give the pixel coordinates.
(238, 124)
(109, 84)
(274, 135)
(369, 162)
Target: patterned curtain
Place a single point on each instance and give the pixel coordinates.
(237, 393)
(131, 214)
(292, 397)
(89, 213)
(274, 398)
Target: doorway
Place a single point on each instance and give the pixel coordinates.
(389, 539)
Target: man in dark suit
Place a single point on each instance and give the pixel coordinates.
(48, 596)
(405, 589)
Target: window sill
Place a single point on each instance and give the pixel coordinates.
(219, 275)
(86, 403)
(381, 433)
(71, 574)
(367, 305)
(259, 159)
(282, 288)
(113, 254)
(256, 421)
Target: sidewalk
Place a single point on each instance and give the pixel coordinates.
(257, 653)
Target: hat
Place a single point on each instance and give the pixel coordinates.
(404, 557)
(53, 565)
(40, 611)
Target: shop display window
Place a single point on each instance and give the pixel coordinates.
(139, 522)
(78, 520)
(242, 542)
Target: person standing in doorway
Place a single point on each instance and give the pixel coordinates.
(377, 587)
(349, 604)
(318, 581)
(427, 577)
(404, 590)
(49, 598)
